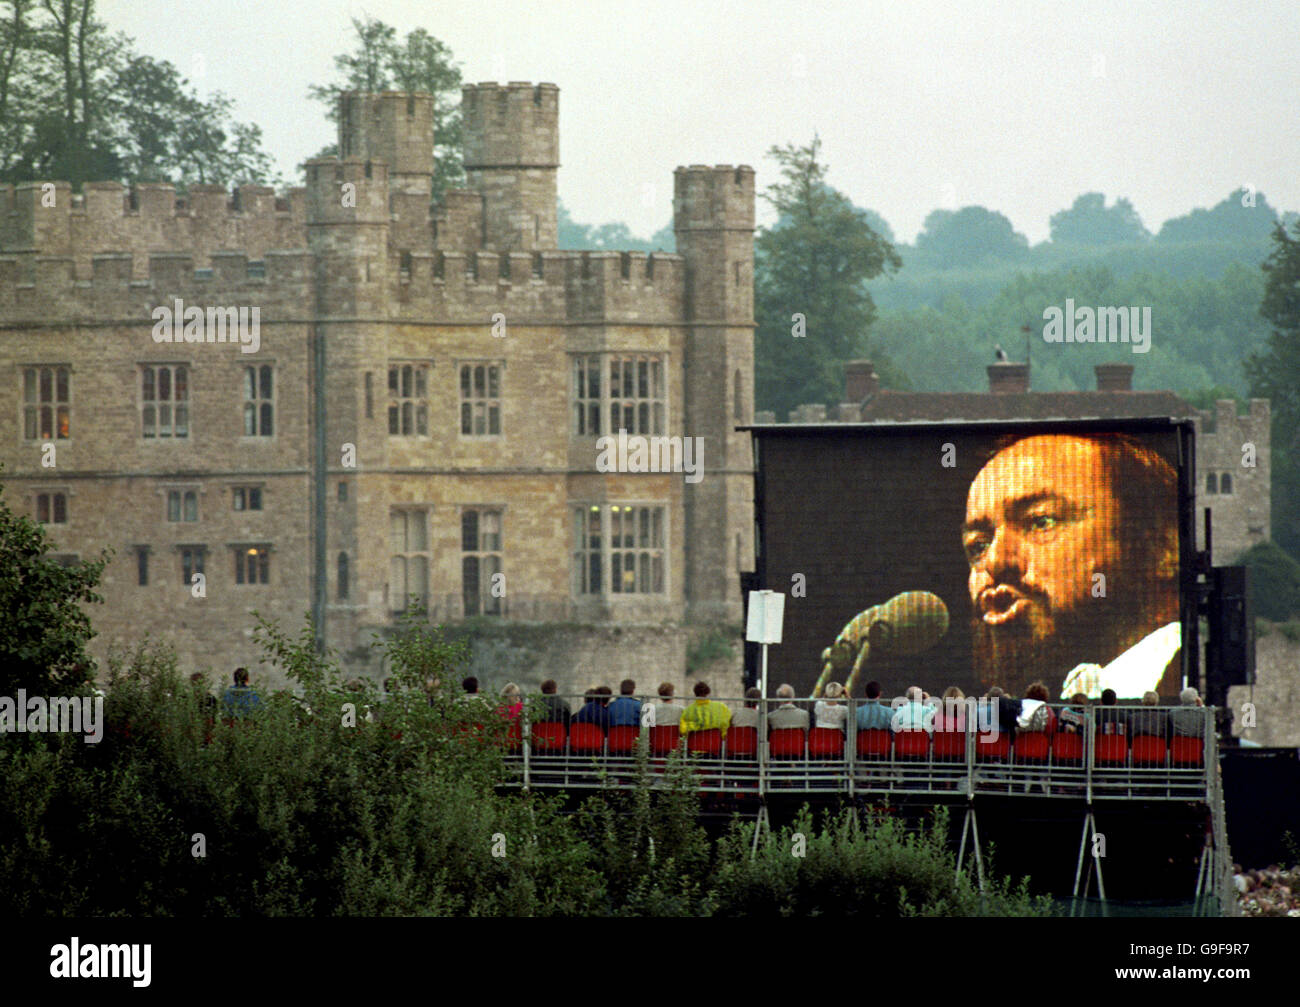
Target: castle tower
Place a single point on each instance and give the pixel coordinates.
(713, 218)
(512, 151)
(347, 224)
(395, 127)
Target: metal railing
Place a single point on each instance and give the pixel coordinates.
(1093, 762)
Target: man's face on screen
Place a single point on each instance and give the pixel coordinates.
(1041, 519)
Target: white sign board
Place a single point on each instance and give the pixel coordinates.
(766, 614)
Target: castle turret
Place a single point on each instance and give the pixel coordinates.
(713, 218)
(512, 151)
(395, 127)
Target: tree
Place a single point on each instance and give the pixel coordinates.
(77, 103)
(812, 265)
(1090, 222)
(968, 237)
(1275, 374)
(614, 236)
(44, 633)
(380, 62)
(1243, 216)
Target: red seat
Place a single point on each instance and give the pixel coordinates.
(949, 744)
(514, 735)
(873, 744)
(705, 742)
(825, 743)
(586, 739)
(622, 740)
(1112, 749)
(1149, 750)
(992, 749)
(1187, 752)
(1031, 746)
(1067, 747)
(664, 739)
(787, 743)
(911, 744)
(742, 742)
(548, 737)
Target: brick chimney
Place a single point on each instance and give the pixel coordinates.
(1114, 377)
(1006, 378)
(859, 380)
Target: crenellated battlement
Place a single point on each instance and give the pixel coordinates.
(453, 286)
(710, 197)
(109, 217)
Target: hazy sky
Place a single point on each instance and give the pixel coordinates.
(1019, 107)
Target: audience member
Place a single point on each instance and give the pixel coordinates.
(1110, 720)
(831, 711)
(747, 715)
(951, 714)
(594, 710)
(512, 703)
(665, 713)
(1034, 714)
(626, 710)
(240, 699)
(554, 709)
(1187, 720)
(1148, 719)
(787, 715)
(704, 714)
(1074, 719)
(873, 715)
(913, 716)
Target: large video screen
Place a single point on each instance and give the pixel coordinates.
(974, 557)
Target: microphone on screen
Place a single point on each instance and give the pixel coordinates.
(908, 623)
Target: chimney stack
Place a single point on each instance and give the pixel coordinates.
(1008, 379)
(860, 380)
(1114, 377)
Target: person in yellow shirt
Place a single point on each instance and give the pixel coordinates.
(705, 714)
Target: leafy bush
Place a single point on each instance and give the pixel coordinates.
(1274, 581)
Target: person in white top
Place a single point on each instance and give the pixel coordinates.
(831, 711)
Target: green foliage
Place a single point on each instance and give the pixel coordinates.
(712, 646)
(813, 263)
(380, 61)
(79, 103)
(1090, 222)
(969, 237)
(45, 630)
(1274, 371)
(1274, 581)
(877, 869)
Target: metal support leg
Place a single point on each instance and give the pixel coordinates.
(763, 820)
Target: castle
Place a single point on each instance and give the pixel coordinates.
(418, 420)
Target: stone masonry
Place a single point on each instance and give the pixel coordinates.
(421, 416)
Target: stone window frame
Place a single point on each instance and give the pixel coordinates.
(398, 399)
(407, 553)
(165, 490)
(60, 412)
(487, 558)
(199, 555)
(141, 564)
(247, 488)
(172, 402)
(252, 563)
(259, 401)
(53, 493)
(488, 402)
(650, 415)
(582, 550)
